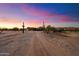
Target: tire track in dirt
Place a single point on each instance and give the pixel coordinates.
(37, 43)
(5, 46)
(38, 48)
(46, 45)
(23, 44)
(8, 39)
(64, 43)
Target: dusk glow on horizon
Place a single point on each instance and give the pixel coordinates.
(33, 14)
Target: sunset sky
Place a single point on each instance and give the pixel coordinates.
(55, 14)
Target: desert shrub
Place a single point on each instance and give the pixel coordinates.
(41, 28)
(35, 29)
(59, 29)
(15, 29)
(50, 28)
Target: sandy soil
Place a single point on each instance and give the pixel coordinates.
(38, 43)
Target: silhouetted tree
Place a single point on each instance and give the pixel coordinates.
(15, 29)
(50, 28)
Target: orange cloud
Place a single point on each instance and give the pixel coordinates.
(12, 22)
(9, 22)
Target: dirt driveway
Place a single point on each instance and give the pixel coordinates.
(38, 43)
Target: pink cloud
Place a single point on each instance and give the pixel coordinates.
(33, 11)
(42, 13)
(37, 12)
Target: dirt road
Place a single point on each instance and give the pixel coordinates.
(38, 43)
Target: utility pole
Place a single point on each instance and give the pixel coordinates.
(43, 24)
(23, 28)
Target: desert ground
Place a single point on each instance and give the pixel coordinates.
(38, 43)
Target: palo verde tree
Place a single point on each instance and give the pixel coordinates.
(50, 28)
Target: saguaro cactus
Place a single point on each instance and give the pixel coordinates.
(23, 28)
